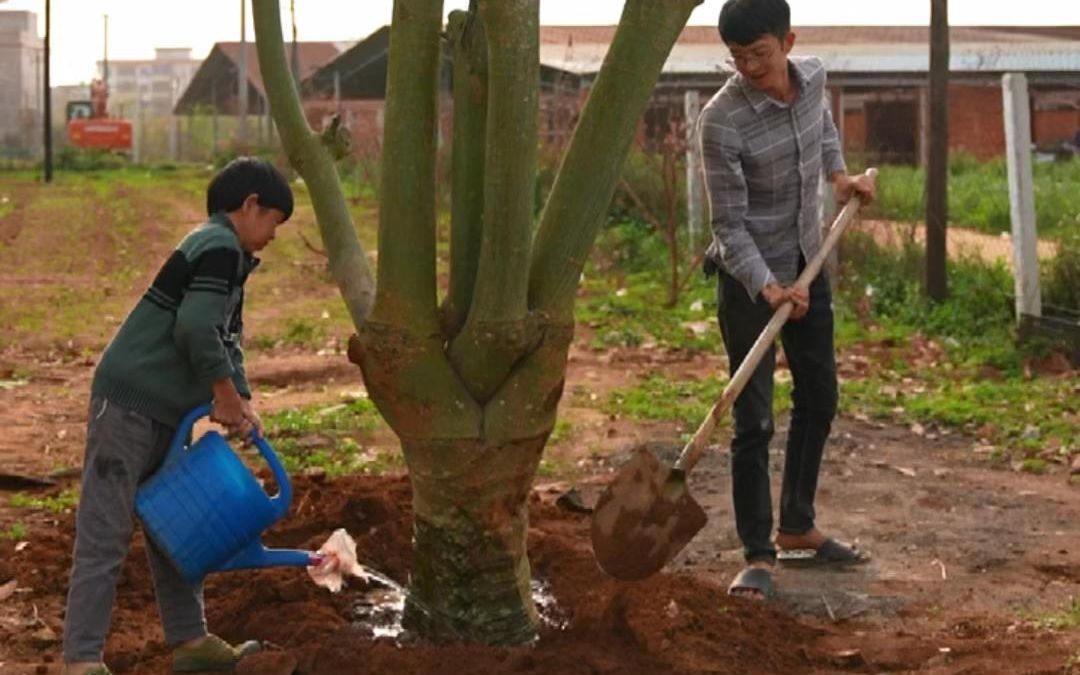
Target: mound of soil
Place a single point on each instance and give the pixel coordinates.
(669, 623)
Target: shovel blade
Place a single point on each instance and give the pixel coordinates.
(644, 518)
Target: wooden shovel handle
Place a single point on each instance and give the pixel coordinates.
(696, 447)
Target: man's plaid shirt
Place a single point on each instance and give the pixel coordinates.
(763, 161)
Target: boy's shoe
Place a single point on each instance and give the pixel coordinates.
(99, 669)
(212, 653)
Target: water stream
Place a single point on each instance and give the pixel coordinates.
(381, 606)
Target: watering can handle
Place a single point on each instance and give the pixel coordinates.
(281, 501)
(283, 498)
(183, 431)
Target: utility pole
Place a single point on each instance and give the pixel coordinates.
(242, 76)
(937, 172)
(47, 91)
(105, 57)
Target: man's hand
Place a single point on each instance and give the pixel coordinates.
(776, 295)
(800, 297)
(844, 186)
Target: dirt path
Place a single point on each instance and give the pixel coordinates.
(973, 566)
(961, 242)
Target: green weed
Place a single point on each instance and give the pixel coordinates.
(18, 531)
(65, 500)
(1066, 619)
(562, 431)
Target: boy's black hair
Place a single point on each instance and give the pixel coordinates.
(743, 21)
(244, 176)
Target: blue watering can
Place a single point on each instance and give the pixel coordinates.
(205, 510)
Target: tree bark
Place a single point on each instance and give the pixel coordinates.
(473, 398)
(466, 35)
(497, 332)
(405, 295)
(314, 161)
(585, 184)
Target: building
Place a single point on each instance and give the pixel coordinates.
(214, 85)
(878, 79)
(161, 81)
(353, 85)
(878, 82)
(21, 71)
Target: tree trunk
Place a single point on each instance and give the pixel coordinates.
(471, 577)
(472, 391)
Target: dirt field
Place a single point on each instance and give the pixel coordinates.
(976, 569)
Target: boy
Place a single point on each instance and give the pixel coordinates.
(179, 347)
(766, 137)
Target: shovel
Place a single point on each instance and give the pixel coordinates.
(647, 515)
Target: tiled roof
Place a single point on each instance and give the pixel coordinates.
(312, 56)
(834, 34)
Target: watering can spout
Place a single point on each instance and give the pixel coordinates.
(256, 555)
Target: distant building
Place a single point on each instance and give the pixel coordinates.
(161, 80)
(20, 72)
(878, 82)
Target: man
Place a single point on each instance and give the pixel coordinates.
(766, 137)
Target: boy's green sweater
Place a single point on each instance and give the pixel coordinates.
(185, 332)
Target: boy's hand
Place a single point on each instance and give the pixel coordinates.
(231, 411)
(252, 416)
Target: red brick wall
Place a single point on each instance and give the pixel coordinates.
(1056, 125)
(976, 122)
(854, 130)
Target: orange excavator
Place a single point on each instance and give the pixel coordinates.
(89, 125)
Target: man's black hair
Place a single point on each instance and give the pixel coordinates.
(743, 21)
(244, 176)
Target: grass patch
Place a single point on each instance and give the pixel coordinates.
(1066, 619)
(330, 438)
(881, 301)
(979, 195)
(64, 501)
(18, 531)
(686, 402)
(562, 431)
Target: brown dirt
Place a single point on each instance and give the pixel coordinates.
(975, 567)
(967, 559)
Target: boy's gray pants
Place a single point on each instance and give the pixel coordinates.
(123, 448)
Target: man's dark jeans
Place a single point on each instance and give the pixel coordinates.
(808, 345)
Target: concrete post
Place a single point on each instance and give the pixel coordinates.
(695, 188)
(1021, 193)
